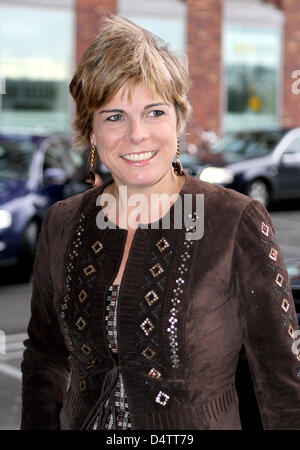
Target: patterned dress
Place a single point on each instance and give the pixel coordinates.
(121, 407)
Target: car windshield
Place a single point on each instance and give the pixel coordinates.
(15, 158)
(240, 146)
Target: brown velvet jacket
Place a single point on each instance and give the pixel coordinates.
(186, 309)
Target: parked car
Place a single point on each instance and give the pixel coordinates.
(293, 268)
(262, 164)
(35, 172)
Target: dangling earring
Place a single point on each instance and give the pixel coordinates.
(90, 178)
(177, 164)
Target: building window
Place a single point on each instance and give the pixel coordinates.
(251, 67)
(165, 19)
(36, 56)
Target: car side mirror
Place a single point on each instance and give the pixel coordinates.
(54, 175)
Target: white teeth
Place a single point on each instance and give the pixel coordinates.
(139, 156)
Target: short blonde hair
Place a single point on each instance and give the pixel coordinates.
(126, 54)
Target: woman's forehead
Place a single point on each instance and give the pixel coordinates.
(135, 94)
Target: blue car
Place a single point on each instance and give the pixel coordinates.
(35, 172)
(264, 165)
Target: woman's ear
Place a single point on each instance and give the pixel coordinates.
(92, 139)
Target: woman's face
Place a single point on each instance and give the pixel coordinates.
(137, 139)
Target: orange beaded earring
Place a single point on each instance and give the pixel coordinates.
(177, 164)
(90, 178)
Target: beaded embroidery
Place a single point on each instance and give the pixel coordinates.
(285, 305)
(147, 326)
(156, 270)
(279, 279)
(121, 406)
(273, 254)
(70, 266)
(153, 373)
(162, 398)
(265, 229)
(148, 353)
(162, 244)
(79, 315)
(176, 300)
(151, 297)
(154, 285)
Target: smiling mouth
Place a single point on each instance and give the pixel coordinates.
(139, 156)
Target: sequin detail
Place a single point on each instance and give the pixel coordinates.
(147, 326)
(80, 275)
(162, 398)
(121, 405)
(148, 353)
(156, 270)
(280, 288)
(176, 300)
(154, 374)
(151, 297)
(149, 330)
(285, 305)
(71, 257)
(265, 229)
(162, 244)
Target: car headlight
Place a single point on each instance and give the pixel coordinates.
(216, 175)
(5, 219)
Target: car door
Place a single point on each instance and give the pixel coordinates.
(54, 173)
(289, 169)
(73, 163)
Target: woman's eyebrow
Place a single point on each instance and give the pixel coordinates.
(153, 105)
(121, 111)
(111, 111)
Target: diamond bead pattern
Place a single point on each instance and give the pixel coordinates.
(151, 297)
(162, 244)
(154, 374)
(148, 353)
(156, 270)
(147, 326)
(162, 398)
(72, 255)
(281, 288)
(176, 300)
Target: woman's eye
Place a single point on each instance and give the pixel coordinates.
(156, 113)
(114, 118)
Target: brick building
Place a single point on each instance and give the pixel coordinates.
(210, 27)
(242, 57)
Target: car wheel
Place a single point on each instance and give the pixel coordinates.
(258, 190)
(27, 253)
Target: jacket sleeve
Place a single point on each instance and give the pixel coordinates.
(45, 365)
(268, 319)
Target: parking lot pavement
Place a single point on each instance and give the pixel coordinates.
(10, 382)
(287, 229)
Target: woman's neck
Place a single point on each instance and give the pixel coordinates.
(142, 204)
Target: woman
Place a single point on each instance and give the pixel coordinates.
(139, 325)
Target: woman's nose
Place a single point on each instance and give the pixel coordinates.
(137, 131)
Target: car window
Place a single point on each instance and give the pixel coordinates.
(15, 158)
(73, 158)
(246, 145)
(294, 146)
(54, 157)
